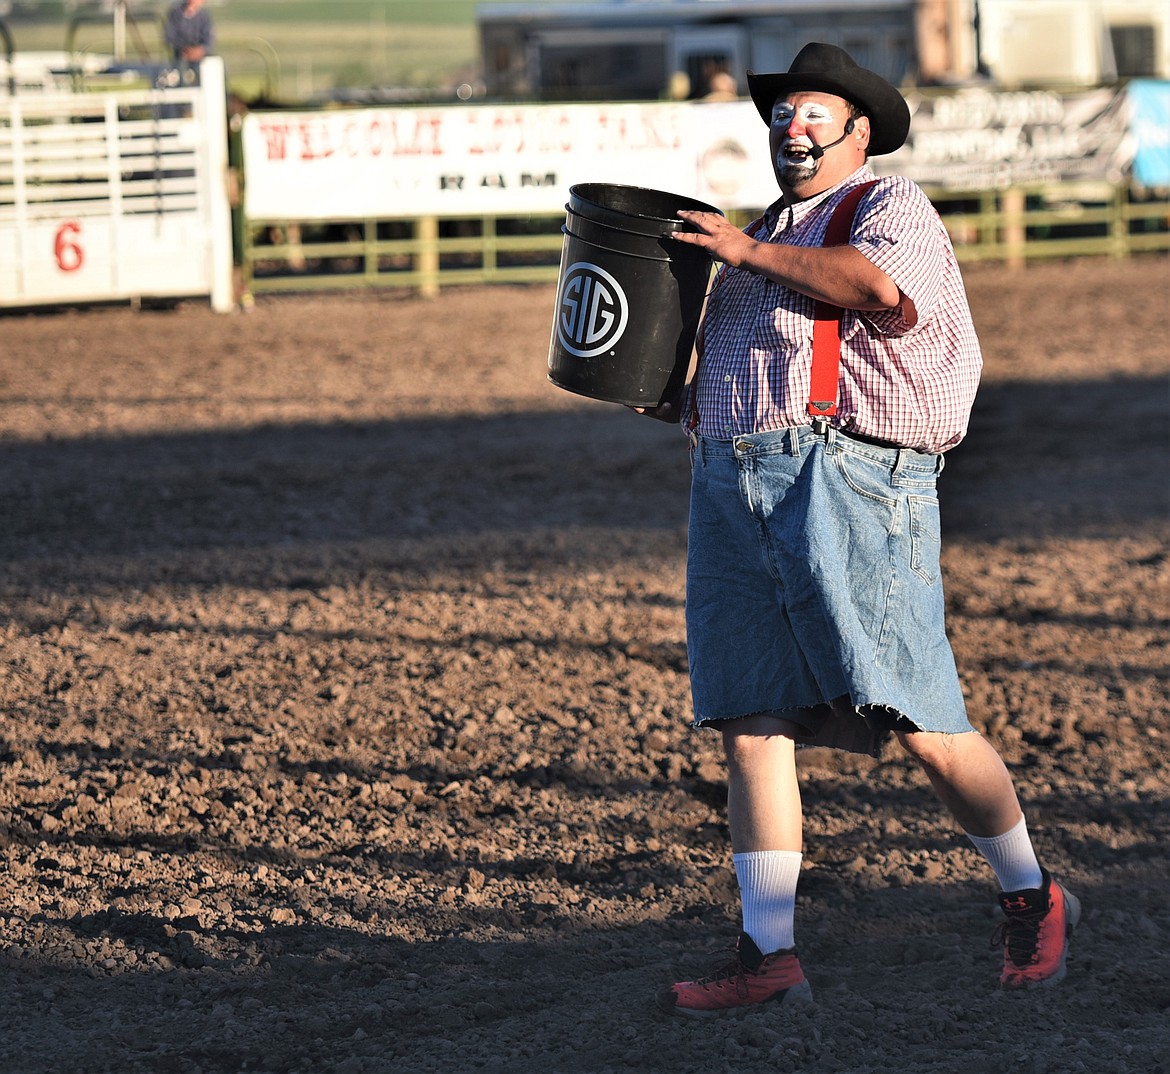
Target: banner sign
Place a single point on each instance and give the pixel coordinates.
(486, 159)
(978, 139)
(483, 160)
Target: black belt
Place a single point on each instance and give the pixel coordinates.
(869, 439)
(821, 427)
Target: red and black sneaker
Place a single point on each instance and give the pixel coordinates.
(750, 978)
(1035, 934)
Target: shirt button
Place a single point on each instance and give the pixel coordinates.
(726, 377)
(727, 428)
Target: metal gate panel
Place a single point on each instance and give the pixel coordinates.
(107, 196)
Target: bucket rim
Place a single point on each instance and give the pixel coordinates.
(684, 201)
(684, 253)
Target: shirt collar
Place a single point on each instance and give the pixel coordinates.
(782, 215)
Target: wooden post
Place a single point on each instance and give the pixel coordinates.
(1118, 225)
(370, 250)
(1014, 231)
(427, 264)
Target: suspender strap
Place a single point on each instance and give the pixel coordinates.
(826, 361)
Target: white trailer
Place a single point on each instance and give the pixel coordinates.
(644, 50)
(1025, 43)
(648, 49)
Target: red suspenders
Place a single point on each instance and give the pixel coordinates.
(826, 360)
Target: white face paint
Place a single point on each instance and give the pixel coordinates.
(810, 115)
(803, 125)
(783, 161)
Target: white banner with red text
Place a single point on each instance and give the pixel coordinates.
(473, 160)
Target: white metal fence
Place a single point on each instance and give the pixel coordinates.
(118, 195)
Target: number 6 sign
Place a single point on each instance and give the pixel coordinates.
(67, 248)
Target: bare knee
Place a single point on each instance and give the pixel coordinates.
(756, 740)
(933, 750)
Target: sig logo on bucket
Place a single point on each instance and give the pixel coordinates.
(592, 311)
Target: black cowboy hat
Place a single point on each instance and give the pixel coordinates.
(829, 69)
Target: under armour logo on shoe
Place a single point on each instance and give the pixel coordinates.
(1018, 903)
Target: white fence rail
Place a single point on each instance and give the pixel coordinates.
(115, 196)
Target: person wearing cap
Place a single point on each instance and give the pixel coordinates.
(815, 611)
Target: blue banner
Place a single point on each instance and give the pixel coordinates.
(1149, 123)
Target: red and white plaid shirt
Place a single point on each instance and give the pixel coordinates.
(912, 385)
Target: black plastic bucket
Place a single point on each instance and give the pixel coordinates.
(630, 295)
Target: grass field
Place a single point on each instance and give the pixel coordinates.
(294, 49)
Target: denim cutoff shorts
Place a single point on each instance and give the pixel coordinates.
(814, 591)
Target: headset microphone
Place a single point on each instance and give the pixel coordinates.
(818, 151)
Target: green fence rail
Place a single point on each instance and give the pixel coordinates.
(421, 253)
(1014, 226)
(1022, 224)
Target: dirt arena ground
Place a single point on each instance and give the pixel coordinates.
(344, 719)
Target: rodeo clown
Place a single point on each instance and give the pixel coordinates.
(837, 364)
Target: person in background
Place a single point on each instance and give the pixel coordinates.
(814, 604)
(721, 87)
(189, 31)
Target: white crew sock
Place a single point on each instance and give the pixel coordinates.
(767, 892)
(1011, 857)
